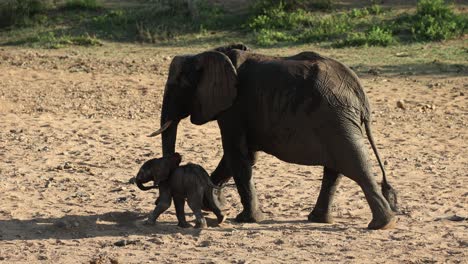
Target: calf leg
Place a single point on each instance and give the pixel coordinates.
(195, 201)
(179, 203)
(163, 204)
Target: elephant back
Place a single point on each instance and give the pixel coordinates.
(341, 87)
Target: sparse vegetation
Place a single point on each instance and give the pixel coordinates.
(51, 41)
(269, 22)
(376, 36)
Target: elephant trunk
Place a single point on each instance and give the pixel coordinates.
(143, 187)
(169, 134)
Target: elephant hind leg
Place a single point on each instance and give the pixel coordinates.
(321, 212)
(195, 202)
(353, 161)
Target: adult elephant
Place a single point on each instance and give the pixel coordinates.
(305, 109)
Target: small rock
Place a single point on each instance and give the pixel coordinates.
(205, 243)
(42, 257)
(457, 218)
(67, 165)
(401, 104)
(279, 242)
(121, 199)
(124, 242)
(118, 189)
(121, 243)
(156, 241)
(402, 54)
(385, 162)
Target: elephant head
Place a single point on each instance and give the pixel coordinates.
(157, 170)
(200, 86)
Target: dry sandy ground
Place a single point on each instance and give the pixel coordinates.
(72, 133)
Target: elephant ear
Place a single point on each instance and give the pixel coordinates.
(216, 89)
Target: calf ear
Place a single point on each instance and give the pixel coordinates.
(166, 166)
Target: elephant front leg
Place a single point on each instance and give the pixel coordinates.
(162, 204)
(321, 212)
(161, 207)
(245, 186)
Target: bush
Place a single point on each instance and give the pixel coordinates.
(376, 36)
(21, 12)
(435, 20)
(83, 4)
(277, 24)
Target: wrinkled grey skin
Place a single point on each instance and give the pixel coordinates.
(305, 109)
(179, 183)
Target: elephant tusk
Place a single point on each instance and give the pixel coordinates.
(159, 131)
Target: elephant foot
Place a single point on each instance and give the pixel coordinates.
(184, 225)
(385, 223)
(320, 218)
(250, 217)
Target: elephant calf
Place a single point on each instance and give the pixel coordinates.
(179, 183)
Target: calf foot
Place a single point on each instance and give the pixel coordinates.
(250, 217)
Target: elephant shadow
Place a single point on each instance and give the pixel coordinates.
(110, 224)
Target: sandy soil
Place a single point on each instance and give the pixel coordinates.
(72, 133)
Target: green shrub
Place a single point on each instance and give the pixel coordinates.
(83, 4)
(276, 24)
(435, 20)
(326, 28)
(358, 13)
(376, 36)
(375, 9)
(279, 18)
(269, 37)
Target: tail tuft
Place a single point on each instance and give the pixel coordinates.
(390, 195)
(387, 190)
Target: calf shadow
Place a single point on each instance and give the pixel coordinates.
(113, 224)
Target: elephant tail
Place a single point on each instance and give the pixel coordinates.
(387, 190)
